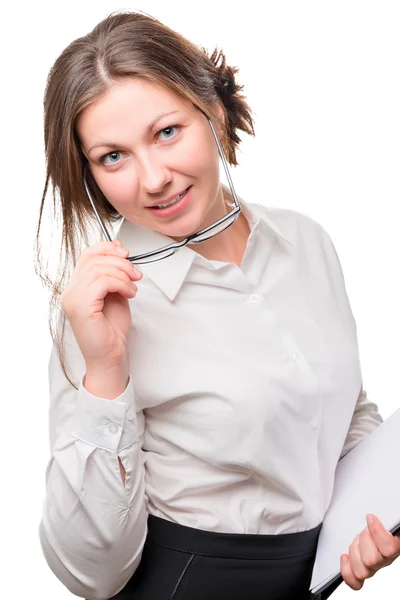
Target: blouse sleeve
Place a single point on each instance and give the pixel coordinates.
(365, 419)
(93, 527)
(366, 416)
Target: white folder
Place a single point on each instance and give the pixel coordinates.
(367, 480)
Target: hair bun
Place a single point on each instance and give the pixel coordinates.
(238, 112)
(225, 80)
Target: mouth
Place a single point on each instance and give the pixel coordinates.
(174, 206)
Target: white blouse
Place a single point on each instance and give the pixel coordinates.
(245, 390)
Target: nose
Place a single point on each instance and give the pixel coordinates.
(154, 173)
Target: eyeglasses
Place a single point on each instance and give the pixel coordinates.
(194, 238)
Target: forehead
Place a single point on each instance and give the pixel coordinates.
(136, 99)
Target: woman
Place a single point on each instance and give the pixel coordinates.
(194, 454)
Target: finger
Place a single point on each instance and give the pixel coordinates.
(105, 248)
(113, 261)
(387, 544)
(359, 568)
(106, 284)
(369, 552)
(97, 271)
(347, 573)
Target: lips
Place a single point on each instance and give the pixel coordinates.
(175, 209)
(168, 199)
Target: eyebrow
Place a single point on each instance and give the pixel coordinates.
(147, 131)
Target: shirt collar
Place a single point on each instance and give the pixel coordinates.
(169, 278)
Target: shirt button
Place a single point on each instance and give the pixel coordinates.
(295, 358)
(313, 423)
(129, 414)
(112, 428)
(254, 298)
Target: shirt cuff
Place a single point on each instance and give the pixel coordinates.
(107, 424)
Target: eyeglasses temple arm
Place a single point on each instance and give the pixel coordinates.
(100, 220)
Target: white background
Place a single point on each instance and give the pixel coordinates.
(323, 80)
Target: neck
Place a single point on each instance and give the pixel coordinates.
(230, 245)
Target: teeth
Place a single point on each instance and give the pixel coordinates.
(174, 201)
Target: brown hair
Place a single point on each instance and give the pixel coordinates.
(124, 44)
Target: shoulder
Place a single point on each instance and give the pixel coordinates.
(312, 248)
(314, 255)
(307, 235)
(297, 226)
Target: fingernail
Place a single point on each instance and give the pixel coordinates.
(138, 271)
(345, 559)
(370, 519)
(122, 250)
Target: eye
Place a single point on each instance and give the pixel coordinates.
(109, 154)
(169, 129)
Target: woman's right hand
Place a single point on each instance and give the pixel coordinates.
(96, 304)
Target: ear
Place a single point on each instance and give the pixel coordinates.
(220, 112)
(218, 109)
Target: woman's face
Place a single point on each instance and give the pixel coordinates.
(140, 158)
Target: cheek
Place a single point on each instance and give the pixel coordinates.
(199, 159)
(118, 188)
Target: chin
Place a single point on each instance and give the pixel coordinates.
(183, 234)
(181, 230)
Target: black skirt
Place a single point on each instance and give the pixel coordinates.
(184, 563)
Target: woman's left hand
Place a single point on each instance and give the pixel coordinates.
(375, 547)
